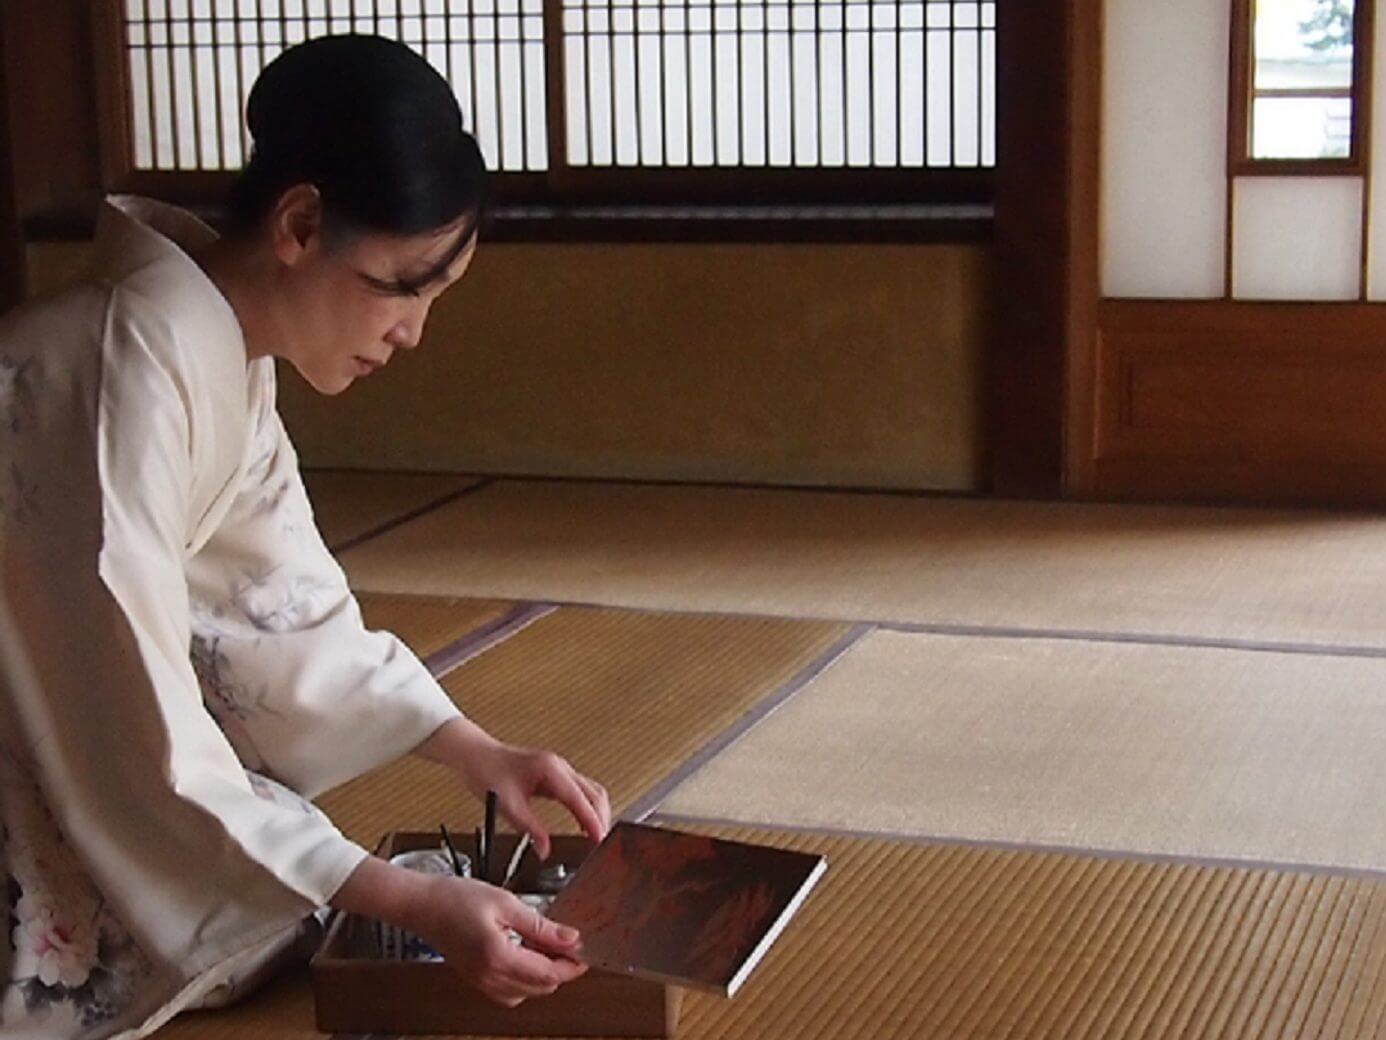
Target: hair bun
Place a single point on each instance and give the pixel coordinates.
(368, 121)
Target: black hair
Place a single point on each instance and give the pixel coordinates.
(373, 127)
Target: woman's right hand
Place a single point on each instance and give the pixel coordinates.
(469, 923)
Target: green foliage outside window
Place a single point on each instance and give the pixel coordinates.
(1330, 27)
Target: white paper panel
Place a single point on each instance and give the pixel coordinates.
(1376, 241)
(1297, 238)
(1164, 134)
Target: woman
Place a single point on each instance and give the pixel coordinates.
(182, 662)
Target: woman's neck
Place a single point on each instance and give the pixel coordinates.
(239, 273)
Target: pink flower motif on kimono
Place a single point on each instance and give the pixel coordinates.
(63, 947)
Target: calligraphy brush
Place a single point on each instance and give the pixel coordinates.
(514, 865)
(452, 851)
(491, 800)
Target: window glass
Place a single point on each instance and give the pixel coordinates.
(1302, 80)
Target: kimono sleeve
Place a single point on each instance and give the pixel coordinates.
(305, 692)
(137, 774)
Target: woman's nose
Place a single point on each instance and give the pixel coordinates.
(408, 331)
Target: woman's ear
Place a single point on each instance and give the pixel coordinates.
(295, 224)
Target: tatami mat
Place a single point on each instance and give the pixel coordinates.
(913, 941)
(1228, 754)
(1192, 752)
(1202, 573)
(350, 504)
(430, 624)
(626, 697)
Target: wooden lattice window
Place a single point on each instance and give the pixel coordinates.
(603, 100)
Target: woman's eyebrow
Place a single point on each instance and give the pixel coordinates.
(436, 271)
(413, 279)
(420, 275)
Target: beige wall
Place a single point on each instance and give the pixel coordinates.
(847, 365)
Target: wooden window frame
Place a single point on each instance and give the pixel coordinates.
(1240, 162)
(561, 185)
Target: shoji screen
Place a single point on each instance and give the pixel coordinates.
(1297, 238)
(1376, 217)
(1164, 134)
(1166, 229)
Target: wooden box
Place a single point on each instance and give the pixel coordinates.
(355, 990)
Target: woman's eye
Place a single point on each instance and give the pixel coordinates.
(392, 288)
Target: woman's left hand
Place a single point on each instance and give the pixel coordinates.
(518, 775)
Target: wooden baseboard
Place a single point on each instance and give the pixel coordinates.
(1240, 402)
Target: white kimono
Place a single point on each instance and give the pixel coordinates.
(181, 662)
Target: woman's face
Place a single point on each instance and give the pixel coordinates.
(353, 304)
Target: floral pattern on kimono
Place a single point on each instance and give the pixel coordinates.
(72, 960)
(229, 700)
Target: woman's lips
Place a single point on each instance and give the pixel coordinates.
(365, 366)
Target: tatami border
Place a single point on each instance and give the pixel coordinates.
(767, 706)
(459, 652)
(998, 845)
(1268, 646)
(413, 514)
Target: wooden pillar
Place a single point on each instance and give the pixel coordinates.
(12, 275)
(1046, 291)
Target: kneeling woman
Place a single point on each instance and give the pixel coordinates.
(183, 665)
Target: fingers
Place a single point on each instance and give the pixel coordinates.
(519, 814)
(529, 970)
(598, 799)
(568, 970)
(565, 788)
(547, 774)
(543, 934)
(475, 925)
(517, 973)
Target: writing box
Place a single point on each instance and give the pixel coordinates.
(356, 990)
